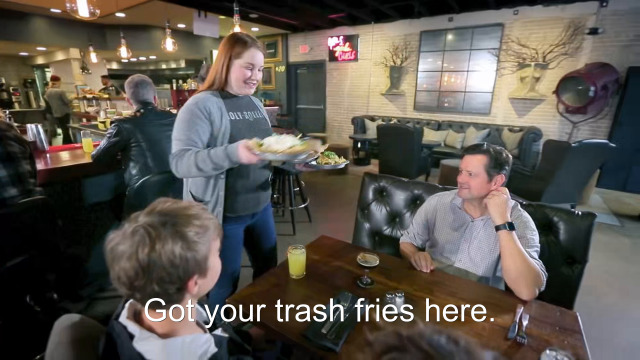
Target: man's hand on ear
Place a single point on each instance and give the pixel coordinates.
(497, 204)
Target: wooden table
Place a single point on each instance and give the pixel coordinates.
(65, 165)
(332, 266)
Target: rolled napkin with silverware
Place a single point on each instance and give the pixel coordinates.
(333, 332)
(513, 329)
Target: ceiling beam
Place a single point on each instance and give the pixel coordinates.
(385, 8)
(454, 6)
(312, 16)
(226, 9)
(357, 13)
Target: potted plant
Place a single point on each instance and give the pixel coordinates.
(395, 56)
(530, 62)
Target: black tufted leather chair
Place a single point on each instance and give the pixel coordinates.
(387, 205)
(401, 151)
(150, 188)
(565, 240)
(563, 172)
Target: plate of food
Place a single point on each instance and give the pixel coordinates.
(328, 160)
(368, 259)
(284, 147)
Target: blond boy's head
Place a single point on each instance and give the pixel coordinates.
(159, 250)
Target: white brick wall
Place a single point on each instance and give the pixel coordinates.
(355, 88)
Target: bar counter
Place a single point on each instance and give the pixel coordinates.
(72, 163)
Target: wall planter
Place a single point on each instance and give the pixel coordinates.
(395, 80)
(396, 55)
(529, 76)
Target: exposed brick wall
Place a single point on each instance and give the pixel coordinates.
(355, 88)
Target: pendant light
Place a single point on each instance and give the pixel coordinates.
(83, 9)
(236, 17)
(169, 44)
(123, 51)
(93, 57)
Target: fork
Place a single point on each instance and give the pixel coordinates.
(522, 337)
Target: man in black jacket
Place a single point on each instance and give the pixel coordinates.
(144, 138)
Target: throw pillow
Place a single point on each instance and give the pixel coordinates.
(512, 141)
(433, 135)
(494, 138)
(370, 127)
(454, 139)
(474, 136)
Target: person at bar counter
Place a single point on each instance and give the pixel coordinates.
(478, 227)
(211, 152)
(17, 166)
(108, 87)
(144, 138)
(60, 107)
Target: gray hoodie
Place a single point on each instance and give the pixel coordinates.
(200, 152)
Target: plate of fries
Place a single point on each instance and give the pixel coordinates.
(285, 147)
(328, 160)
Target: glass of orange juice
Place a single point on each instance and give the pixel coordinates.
(87, 141)
(297, 257)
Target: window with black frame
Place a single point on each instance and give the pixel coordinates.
(457, 69)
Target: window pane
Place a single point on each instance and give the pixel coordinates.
(481, 81)
(426, 100)
(482, 60)
(459, 39)
(487, 37)
(453, 81)
(430, 61)
(428, 81)
(456, 60)
(477, 103)
(432, 41)
(450, 101)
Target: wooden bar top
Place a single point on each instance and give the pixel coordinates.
(332, 267)
(59, 166)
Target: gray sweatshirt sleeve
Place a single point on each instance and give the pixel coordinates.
(191, 155)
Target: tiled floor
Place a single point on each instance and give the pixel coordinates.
(610, 287)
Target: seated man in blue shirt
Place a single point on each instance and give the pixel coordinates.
(478, 227)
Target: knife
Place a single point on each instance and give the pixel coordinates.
(334, 328)
(513, 329)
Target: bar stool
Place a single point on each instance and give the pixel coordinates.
(283, 192)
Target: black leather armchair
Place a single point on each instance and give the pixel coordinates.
(150, 188)
(563, 172)
(387, 204)
(401, 151)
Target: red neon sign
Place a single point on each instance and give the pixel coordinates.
(341, 48)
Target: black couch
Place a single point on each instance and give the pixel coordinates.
(528, 150)
(387, 205)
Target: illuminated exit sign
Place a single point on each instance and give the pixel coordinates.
(343, 48)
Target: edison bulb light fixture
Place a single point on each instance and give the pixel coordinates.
(169, 44)
(93, 57)
(236, 17)
(123, 50)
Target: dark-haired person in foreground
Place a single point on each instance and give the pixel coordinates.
(422, 342)
(478, 227)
